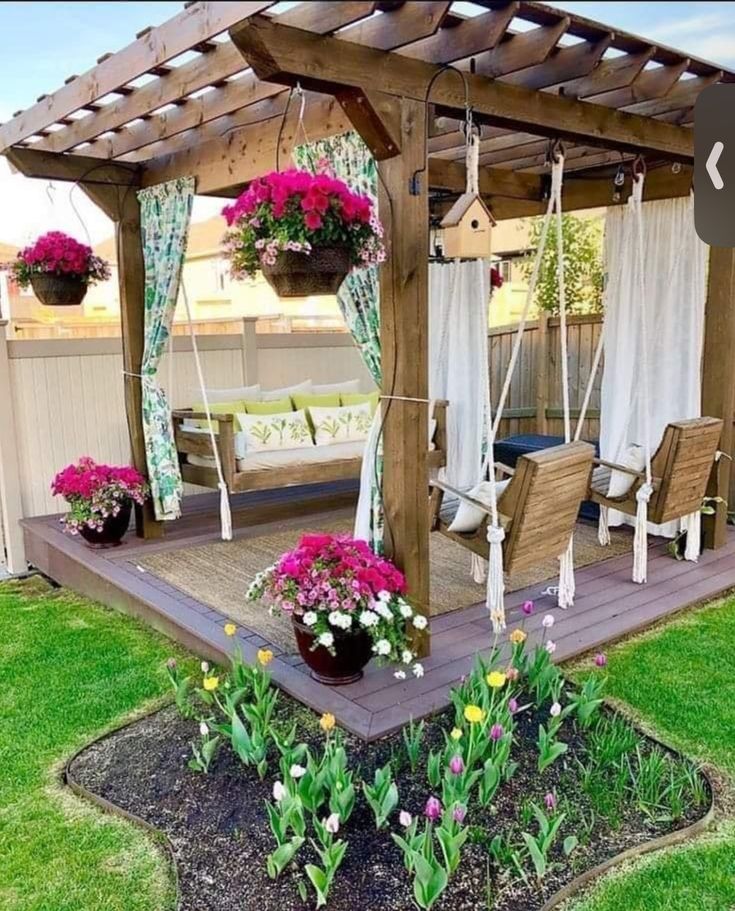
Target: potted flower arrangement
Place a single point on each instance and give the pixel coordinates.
(346, 605)
(101, 498)
(304, 231)
(59, 269)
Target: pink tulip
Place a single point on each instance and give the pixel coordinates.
(600, 660)
(456, 765)
(433, 809)
(496, 732)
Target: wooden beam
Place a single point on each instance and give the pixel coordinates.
(281, 54)
(653, 83)
(407, 23)
(213, 68)
(404, 344)
(469, 37)
(450, 175)
(196, 23)
(564, 63)
(51, 166)
(122, 205)
(718, 379)
(376, 117)
(521, 50)
(616, 73)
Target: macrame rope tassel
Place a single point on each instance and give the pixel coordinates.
(225, 514)
(567, 585)
(692, 525)
(603, 528)
(640, 540)
(495, 582)
(479, 569)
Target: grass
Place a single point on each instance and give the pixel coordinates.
(678, 681)
(69, 669)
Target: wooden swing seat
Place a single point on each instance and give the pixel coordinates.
(681, 467)
(192, 443)
(538, 509)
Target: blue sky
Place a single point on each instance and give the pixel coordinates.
(67, 38)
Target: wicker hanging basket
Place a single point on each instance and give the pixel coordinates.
(303, 274)
(58, 290)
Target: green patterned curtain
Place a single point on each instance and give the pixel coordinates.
(346, 156)
(165, 212)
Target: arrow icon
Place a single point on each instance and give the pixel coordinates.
(711, 166)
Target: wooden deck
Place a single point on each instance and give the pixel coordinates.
(608, 605)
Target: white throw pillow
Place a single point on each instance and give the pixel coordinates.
(266, 432)
(346, 424)
(634, 458)
(468, 517)
(231, 394)
(273, 395)
(329, 388)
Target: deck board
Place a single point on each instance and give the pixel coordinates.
(608, 605)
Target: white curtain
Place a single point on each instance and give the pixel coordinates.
(459, 294)
(675, 281)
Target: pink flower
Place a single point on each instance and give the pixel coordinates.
(456, 765)
(459, 813)
(600, 660)
(527, 608)
(512, 705)
(433, 809)
(496, 732)
(550, 801)
(313, 221)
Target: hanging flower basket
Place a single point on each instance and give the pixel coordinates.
(303, 231)
(58, 268)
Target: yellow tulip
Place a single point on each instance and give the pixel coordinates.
(474, 714)
(496, 679)
(456, 734)
(265, 656)
(230, 629)
(517, 637)
(327, 722)
(210, 684)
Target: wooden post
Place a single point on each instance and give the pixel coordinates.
(541, 349)
(718, 379)
(249, 351)
(121, 204)
(404, 317)
(11, 509)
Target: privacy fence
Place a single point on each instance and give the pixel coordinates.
(63, 398)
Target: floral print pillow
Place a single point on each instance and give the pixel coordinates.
(265, 432)
(348, 424)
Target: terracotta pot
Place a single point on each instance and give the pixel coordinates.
(302, 274)
(113, 529)
(58, 290)
(353, 650)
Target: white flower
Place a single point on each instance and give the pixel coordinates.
(405, 818)
(418, 670)
(205, 667)
(382, 647)
(555, 710)
(382, 608)
(326, 639)
(310, 618)
(203, 729)
(368, 618)
(384, 596)
(551, 647)
(420, 622)
(297, 771)
(279, 792)
(340, 619)
(331, 823)
(405, 608)
(406, 656)
(548, 621)
(400, 675)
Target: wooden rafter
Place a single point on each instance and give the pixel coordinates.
(565, 63)
(521, 50)
(407, 23)
(195, 23)
(466, 39)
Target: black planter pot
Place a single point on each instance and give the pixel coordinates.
(113, 529)
(352, 651)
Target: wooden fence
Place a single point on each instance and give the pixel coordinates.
(534, 402)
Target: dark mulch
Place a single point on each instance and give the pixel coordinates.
(219, 831)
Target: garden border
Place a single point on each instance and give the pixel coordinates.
(568, 891)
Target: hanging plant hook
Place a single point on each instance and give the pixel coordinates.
(639, 167)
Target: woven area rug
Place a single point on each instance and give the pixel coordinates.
(218, 574)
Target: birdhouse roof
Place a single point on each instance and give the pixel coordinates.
(461, 207)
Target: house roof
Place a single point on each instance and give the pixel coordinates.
(460, 209)
(7, 252)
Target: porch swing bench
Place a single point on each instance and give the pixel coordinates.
(538, 509)
(279, 468)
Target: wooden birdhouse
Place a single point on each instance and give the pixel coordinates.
(466, 228)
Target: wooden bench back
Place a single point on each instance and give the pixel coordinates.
(683, 462)
(542, 502)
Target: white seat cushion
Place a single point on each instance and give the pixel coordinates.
(468, 517)
(282, 458)
(634, 457)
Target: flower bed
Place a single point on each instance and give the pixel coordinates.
(496, 803)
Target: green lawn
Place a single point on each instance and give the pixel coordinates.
(679, 681)
(69, 669)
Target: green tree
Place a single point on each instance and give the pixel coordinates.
(583, 275)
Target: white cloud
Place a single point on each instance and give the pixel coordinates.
(702, 22)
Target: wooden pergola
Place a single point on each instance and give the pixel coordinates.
(204, 95)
